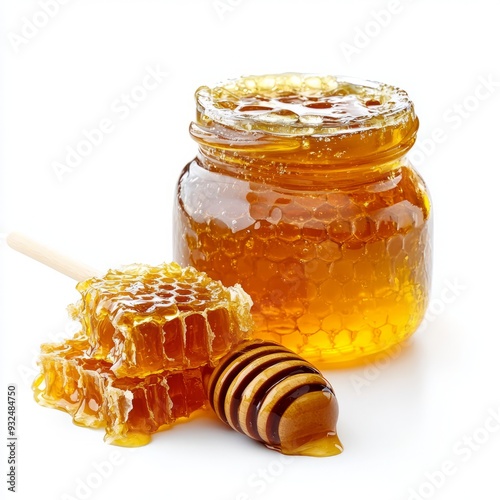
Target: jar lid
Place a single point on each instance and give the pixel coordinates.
(292, 104)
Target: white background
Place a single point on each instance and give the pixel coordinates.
(402, 418)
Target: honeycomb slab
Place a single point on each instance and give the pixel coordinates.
(129, 408)
(146, 319)
(147, 334)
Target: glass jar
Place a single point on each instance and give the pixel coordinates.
(302, 193)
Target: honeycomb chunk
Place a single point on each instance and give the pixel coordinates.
(145, 319)
(130, 408)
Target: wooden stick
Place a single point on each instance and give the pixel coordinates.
(50, 257)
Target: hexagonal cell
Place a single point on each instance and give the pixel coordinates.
(330, 290)
(277, 250)
(325, 212)
(332, 323)
(367, 199)
(376, 318)
(340, 230)
(288, 232)
(342, 271)
(295, 213)
(376, 250)
(316, 270)
(364, 228)
(353, 320)
(319, 308)
(294, 340)
(294, 308)
(364, 270)
(308, 324)
(350, 210)
(320, 340)
(314, 231)
(291, 270)
(328, 251)
(356, 290)
(304, 251)
(264, 230)
(353, 250)
(310, 291)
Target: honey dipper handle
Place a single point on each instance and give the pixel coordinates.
(50, 257)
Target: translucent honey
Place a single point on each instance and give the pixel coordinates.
(303, 194)
(147, 334)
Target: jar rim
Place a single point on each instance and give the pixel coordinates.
(304, 104)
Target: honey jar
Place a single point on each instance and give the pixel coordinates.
(302, 193)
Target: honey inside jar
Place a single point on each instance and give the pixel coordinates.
(302, 193)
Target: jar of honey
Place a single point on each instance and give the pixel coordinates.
(303, 194)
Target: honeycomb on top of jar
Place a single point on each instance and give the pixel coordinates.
(146, 319)
(303, 104)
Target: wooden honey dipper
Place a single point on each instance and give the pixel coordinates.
(260, 388)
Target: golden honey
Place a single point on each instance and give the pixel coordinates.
(303, 194)
(145, 319)
(136, 365)
(274, 396)
(129, 408)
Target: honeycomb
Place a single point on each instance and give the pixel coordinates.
(145, 319)
(147, 335)
(130, 408)
(302, 194)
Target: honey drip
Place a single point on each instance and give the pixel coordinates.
(274, 396)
